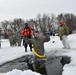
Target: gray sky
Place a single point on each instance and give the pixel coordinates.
(27, 9)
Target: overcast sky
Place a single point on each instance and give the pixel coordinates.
(27, 9)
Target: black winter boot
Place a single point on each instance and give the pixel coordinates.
(25, 49)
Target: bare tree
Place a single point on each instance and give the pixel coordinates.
(5, 27)
(39, 21)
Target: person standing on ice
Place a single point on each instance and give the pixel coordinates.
(26, 32)
(38, 49)
(63, 33)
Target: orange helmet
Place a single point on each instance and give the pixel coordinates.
(61, 22)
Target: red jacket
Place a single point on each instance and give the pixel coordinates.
(26, 31)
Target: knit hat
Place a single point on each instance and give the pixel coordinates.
(61, 22)
(26, 24)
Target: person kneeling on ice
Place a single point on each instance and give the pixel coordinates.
(63, 33)
(38, 50)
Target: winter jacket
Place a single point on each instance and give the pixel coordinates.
(26, 31)
(63, 30)
(38, 44)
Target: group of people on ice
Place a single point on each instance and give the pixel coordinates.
(36, 42)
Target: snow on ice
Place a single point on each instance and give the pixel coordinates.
(8, 53)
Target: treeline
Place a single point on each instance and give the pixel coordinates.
(45, 22)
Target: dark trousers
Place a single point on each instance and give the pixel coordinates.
(25, 45)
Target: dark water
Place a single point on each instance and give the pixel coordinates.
(53, 65)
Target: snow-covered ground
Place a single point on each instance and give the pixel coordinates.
(8, 53)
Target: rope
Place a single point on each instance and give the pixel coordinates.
(38, 55)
